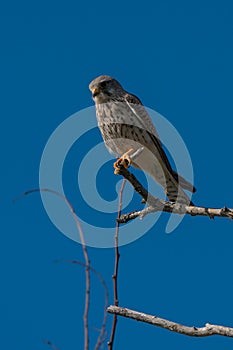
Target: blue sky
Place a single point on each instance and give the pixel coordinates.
(177, 57)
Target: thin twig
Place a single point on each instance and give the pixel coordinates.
(86, 258)
(156, 204)
(102, 335)
(206, 331)
(53, 347)
(115, 275)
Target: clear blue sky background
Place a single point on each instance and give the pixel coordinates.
(177, 56)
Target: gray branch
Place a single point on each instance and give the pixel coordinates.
(155, 204)
(206, 331)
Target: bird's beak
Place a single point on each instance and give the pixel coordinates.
(95, 91)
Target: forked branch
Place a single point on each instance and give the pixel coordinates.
(155, 204)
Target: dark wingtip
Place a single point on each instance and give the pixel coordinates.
(194, 189)
(184, 183)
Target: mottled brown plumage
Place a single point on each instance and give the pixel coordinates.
(125, 124)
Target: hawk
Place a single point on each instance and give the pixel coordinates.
(126, 127)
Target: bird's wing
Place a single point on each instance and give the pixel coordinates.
(141, 114)
(184, 183)
(145, 122)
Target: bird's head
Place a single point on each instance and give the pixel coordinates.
(105, 89)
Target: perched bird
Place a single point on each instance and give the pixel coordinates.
(126, 127)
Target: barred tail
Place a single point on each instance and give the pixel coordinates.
(175, 193)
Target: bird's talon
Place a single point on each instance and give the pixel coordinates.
(124, 160)
(120, 162)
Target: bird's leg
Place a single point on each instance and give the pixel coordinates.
(124, 160)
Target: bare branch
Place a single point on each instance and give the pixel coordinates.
(85, 253)
(102, 335)
(115, 275)
(178, 209)
(156, 204)
(206, 331)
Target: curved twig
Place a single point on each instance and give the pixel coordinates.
(102, 335)
(85, 253)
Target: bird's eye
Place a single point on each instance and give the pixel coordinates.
(103, 84)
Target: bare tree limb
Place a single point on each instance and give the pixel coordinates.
(86, 258)
(156, 204)
(206, 331)
(102, 335)
(115, 275)
(177, 209)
